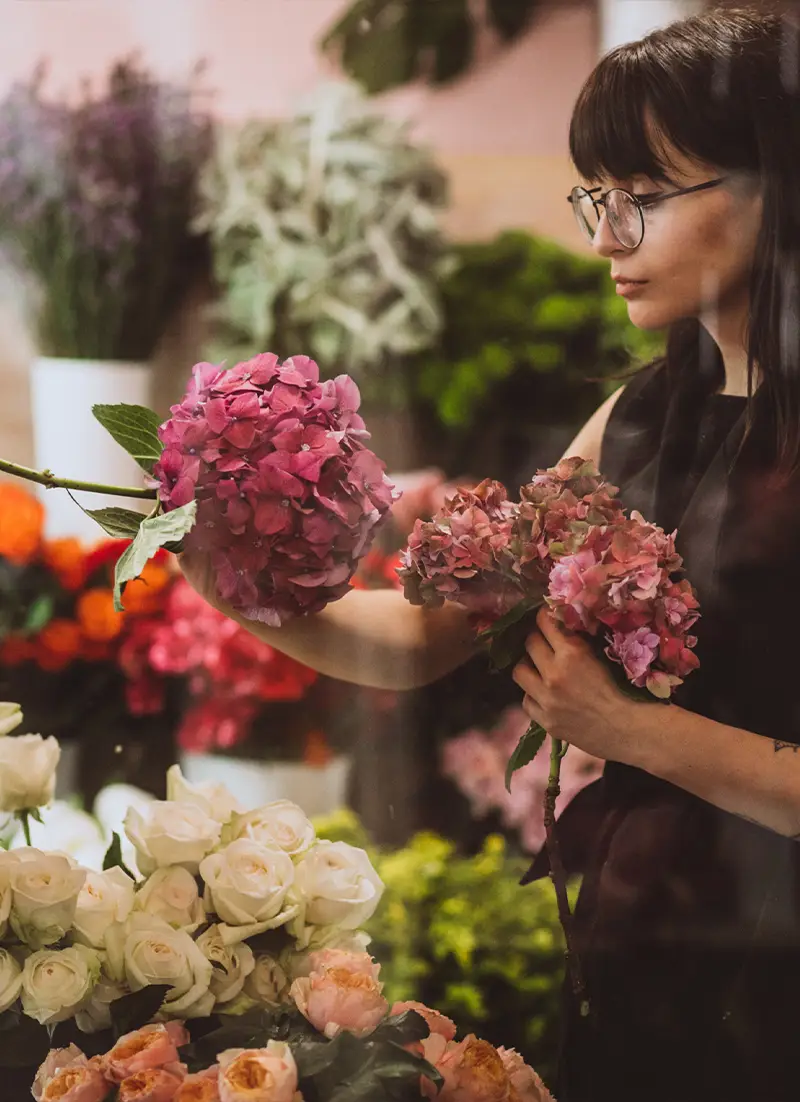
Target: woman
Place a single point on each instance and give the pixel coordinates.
(688, 922)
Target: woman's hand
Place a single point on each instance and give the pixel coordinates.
(570, 693)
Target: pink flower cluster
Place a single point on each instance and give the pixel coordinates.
(288, 495)
(569, 543)
(339, 992)
(229, 673)
(476, 762)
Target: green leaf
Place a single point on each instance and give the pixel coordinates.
(24, 1042)
(120, 524)
(402, 1028)
(135, 428)
(39, 614)
(155, 532)
(113, 857)
(525, 751)
(135, 1010)
(513, 616)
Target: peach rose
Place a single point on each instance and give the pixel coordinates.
(472, 1069)
(524, 1080)
(77, 1083)
(256, 1074)
(150, 1085)
(437, 1023)
(54, 1062)
(203, 1087)
(152, 1046)
(342, 992)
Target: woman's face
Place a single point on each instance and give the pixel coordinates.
(697, 251)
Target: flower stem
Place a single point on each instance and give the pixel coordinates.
(559, 877)
(51, 482)
(26, 826)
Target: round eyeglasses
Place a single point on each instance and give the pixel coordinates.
(624, 211)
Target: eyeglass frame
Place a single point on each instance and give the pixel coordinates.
(639, 201)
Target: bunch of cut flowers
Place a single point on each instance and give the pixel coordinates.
(567, 544)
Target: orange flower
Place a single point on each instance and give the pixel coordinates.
(21, 522)
(57, 644)
(144, 594)
(97, 616)
(14, 650)
(316, 750)
(67, 559)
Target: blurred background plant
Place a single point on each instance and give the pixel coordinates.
(96, 200)
(459, 933)
(325, 238)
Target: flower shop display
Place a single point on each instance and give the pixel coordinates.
(96, 200)
(477, 761)
(231, 966)
(325, 235)
(567, 545)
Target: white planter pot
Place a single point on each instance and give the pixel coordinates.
(69, 442)
(319, 790)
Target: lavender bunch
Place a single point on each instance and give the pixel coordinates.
(96, 201)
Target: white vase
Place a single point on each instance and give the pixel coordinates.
(70, 443)
(318, 789)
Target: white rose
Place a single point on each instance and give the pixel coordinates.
(279, 825)
(146, 950)
(268, 983)
(57, 982)
(10, 980)
(69, 830)
(45, 889)
(246, 885)
(10, 717)
(27, 771)
(337, 886)
(6, 895)
(172, 894)
(171, 834)
(231, 964)
(216, 800)
(105, 897)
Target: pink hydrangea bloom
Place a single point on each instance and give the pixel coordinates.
(288, 495)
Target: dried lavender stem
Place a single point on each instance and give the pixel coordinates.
(558, 875)
(51, 482)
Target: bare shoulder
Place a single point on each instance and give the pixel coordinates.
(588, 441)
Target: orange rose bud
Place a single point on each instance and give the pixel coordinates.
(21, 524)
(96, 615)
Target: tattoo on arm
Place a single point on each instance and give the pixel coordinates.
(778, 745)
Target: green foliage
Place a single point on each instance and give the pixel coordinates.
(387, 43)
(325, 239)
(460, 934)
(524, 306)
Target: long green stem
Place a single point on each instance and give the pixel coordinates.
(559, 876)
(49, 480)
(26, 826)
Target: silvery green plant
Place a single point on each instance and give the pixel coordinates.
(325, 236)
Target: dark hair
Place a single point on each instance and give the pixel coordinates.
(724, 88)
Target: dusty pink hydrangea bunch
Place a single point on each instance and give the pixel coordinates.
(288, 495)
(567, 543)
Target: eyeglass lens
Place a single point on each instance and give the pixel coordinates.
(623, 215)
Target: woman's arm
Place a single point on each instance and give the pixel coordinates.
(752, 776)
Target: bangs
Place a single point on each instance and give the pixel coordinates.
(612, 128)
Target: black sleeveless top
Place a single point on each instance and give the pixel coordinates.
(688, 921)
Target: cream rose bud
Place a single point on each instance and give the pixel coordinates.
(56, 983)
(279, 825)
(10, 717)
(247, 884)
(10, 980)
(231, 964)
(44, 895)
(268, 983)
(215, 799)
(95, 1015)
(27, 771)
(171, 894)
(105, 897)
(337, 886)
(171, 834)
(145, 951)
